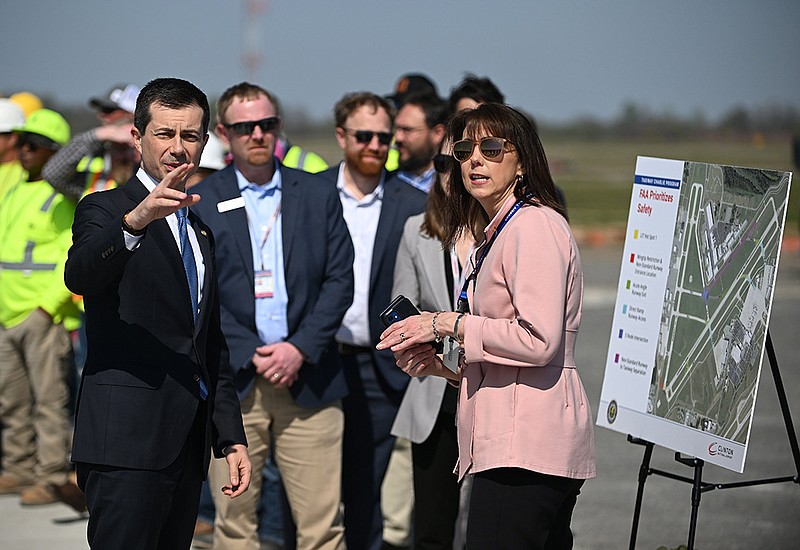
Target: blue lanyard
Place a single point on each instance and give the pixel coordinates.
(463, 303)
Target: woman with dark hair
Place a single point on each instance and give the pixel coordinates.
(524, 424)
(431, 277)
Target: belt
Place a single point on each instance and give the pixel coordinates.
(347, 349)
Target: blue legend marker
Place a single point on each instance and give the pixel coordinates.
(620, 333)
(624, 309)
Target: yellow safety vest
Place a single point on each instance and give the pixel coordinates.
(97, 179)
(35, 235)
(10, 174)
(307, 161)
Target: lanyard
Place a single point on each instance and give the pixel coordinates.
(463, 303)
(267, 230)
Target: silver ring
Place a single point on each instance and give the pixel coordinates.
(276, 375)
(402, 337)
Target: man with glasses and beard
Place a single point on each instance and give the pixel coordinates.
(376, 205)
(285, 273)
(419, 131)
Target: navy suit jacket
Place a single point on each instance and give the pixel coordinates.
(140, 386)
(318, 263)
(400, 200)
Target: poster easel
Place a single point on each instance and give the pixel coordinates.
(698, 485)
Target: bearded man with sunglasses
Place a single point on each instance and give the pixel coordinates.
(286, 279)
(376, 205)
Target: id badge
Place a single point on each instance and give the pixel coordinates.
(265, 284)
(451, 354)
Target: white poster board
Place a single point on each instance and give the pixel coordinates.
(693, 305)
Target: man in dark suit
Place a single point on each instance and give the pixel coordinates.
(376, 205)
(286, 279)
(156, 393)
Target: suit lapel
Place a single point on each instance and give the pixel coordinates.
(201, 232)
(432, 259)
(387, 223)
(290, 206)
(237, 221)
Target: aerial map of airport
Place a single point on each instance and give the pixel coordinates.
(719, 291)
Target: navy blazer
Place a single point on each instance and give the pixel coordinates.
(140, 385)
(318, 263)
(400, 201)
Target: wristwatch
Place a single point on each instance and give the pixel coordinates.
(130, 230)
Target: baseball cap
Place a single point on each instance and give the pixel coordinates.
(11, 116)
(408, 84)
(121, 96)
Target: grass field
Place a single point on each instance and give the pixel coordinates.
(597, 176)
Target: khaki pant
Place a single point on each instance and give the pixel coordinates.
(308, 452)
(35, 359)
(397, 495)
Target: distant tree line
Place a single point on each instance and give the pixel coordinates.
(637, 122)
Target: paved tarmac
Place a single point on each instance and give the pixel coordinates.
(764, 517)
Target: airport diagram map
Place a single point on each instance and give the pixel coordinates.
(693, 305)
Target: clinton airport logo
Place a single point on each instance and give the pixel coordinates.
(717, 449)
(611, 412)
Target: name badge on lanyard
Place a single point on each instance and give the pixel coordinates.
(265, 284)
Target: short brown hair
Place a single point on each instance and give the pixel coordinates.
(355, 100)
(243, 90)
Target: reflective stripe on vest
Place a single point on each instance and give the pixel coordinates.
(27, 263)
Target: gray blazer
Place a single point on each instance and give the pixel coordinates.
(419, 275)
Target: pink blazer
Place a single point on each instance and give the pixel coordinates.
(521, 400)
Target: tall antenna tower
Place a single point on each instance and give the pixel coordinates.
(252, 37)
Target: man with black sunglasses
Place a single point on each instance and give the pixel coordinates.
(419, 131)
(285, 268)
(376, 205)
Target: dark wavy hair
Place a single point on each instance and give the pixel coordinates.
(536, 187)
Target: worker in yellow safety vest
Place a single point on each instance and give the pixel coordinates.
(11, 118)
(36, 313)
(100, 158)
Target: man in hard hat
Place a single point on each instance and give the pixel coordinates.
(36, 313)
(11, 171)
(103, 157)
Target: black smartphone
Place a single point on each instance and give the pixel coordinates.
(400, 308)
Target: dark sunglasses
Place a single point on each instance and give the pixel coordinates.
(34, 142)
(491, 148)
(246, 128)
(365, 136)
(442, 163)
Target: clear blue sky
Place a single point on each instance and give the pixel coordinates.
(558, 59)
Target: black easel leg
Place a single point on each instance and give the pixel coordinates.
(697, 492)
(644, 471)
(787, 415)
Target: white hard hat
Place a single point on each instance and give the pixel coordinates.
(213, 157)
(11, 116)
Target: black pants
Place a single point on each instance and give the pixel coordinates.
(436, 488)
(511, 508)
(146, 509)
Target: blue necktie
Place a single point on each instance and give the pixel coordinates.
(187, 255)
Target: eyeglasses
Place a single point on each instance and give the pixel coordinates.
(491, 148)
(246, 128)
(365, 136)
(442, 163)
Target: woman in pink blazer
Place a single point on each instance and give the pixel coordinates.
(524, 423)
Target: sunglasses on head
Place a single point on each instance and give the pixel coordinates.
(365, 136)
(246, 128)
(491, 148)
(442, 163)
